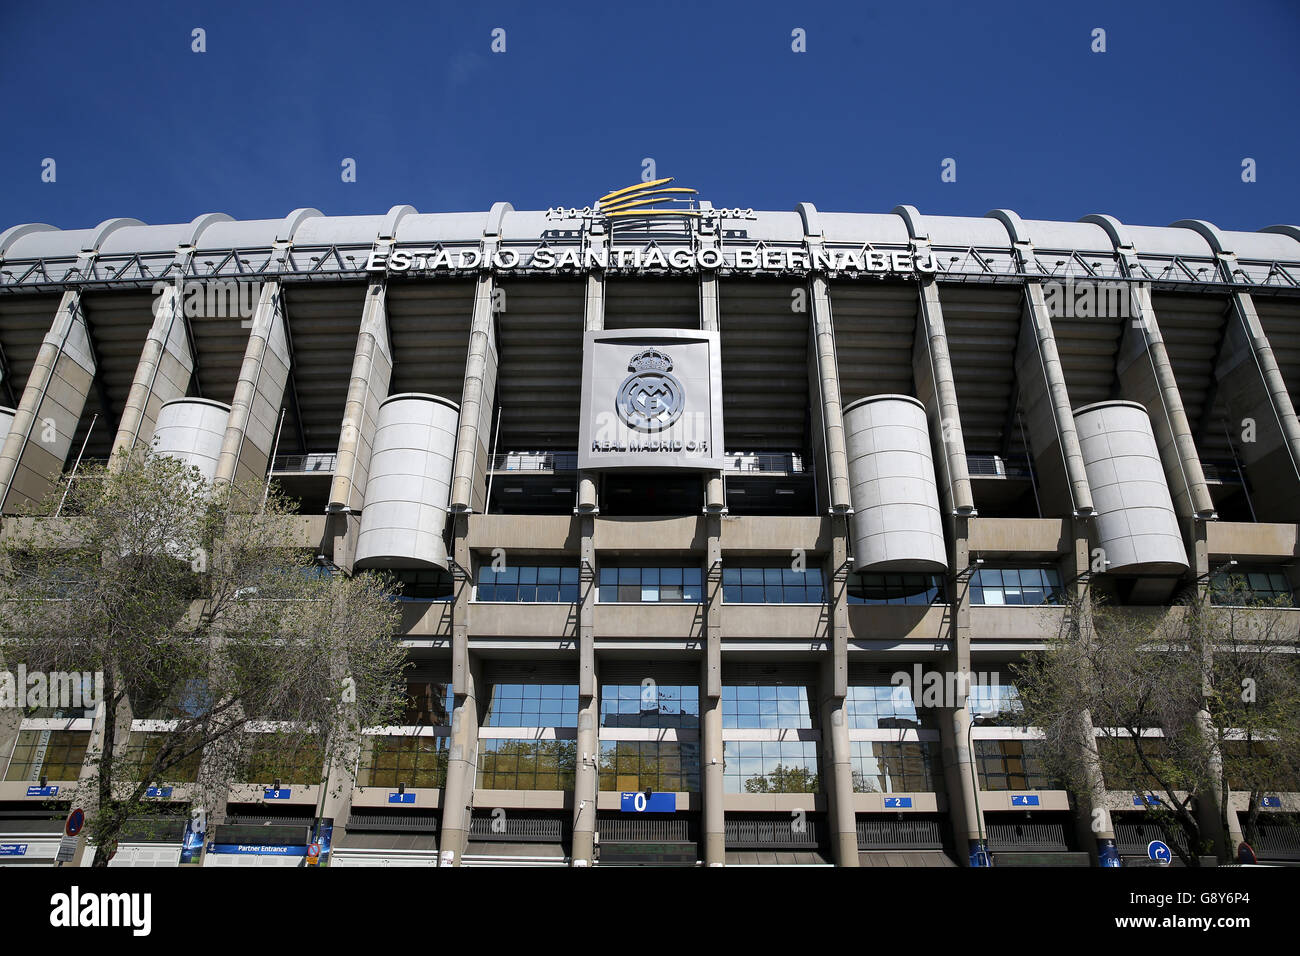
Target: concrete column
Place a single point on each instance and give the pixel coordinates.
(1093, 818)
(255, 409)
(372, 372)
(832, 689)
(587, 778)
(828, 388)
(960, 778)
(937, 389)
(40, 436)
(1147, 377)
(715, 499)
(1217, 820)
(162, 374)
(1046, 401)
(1252, 387)
(593, 320)
(477, 400)
(712, 791)
(462, 760)
(11, 719)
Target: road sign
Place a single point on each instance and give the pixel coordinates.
(1158, 850)
(76, 820)
(1246, 854)
(313, 854)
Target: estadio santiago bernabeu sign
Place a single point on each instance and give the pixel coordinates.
(651, 398)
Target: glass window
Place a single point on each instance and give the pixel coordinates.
(770, 766)
(877, 706)
(649, 705)
(505, 764)
(428, 704)
(1255, 586)
(998, 704)
(1015, 586)
(660, 765)
(892, 767)
(542, 583)
(533, 705)
(897, 589)
(1011, 765)
(656, 585)
(141, 752)
(432, 585)
(756, 706)
(749, 585)
(53, 754)
(393, 761)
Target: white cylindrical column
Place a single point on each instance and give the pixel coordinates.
(6, 419)
(192, 430)
(897, 524)
(1137, 528)
(405, 510)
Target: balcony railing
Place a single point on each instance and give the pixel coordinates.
(535, 462)
(764, 463)
(736, 463)
(304, 464)
(995, 466)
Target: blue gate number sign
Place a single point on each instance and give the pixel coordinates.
(284, 794)
(896, 803)
(639, 802)
(1024, 800)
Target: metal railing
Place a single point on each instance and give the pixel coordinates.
(535, 462)
(323, 462)
(772, 833)
(899, 835)
(1275, 842)
(1221, 472)
(1027, 836)
(765, 463)
(644, 830)
(1132, 839)
(517, 827)
(405, 822)
(995, 466)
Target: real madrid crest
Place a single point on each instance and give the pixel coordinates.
(650, 399)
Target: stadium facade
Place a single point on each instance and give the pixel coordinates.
(679, 502)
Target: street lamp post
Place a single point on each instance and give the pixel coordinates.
(975, 790)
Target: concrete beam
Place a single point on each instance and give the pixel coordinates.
(40, 436)
(255, 408)
(372, 372)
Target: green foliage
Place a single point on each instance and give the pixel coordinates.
(199, 609)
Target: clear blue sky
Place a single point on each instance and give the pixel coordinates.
(1153, 130)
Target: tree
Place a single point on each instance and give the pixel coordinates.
(1162, 689)
(1254, 700)
(783, 779)
(197, 610)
